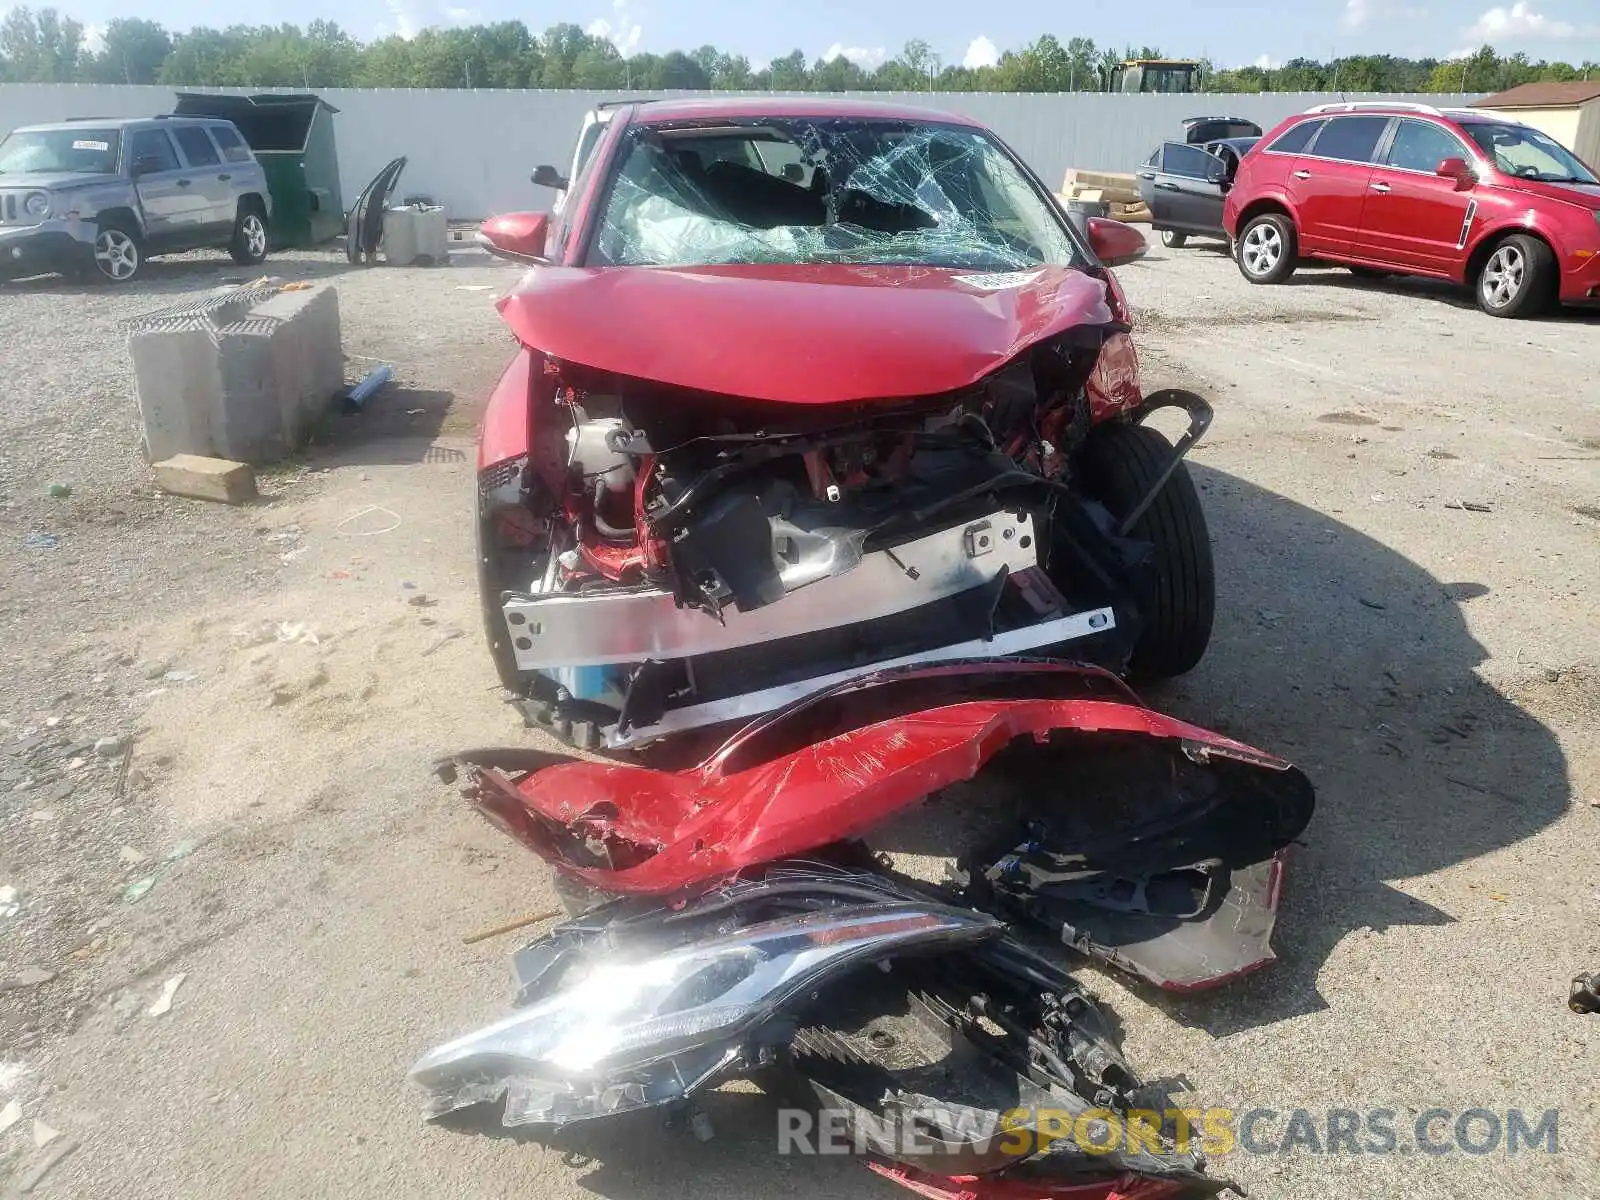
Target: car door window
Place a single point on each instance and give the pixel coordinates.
(1419, 146)
(1296, 138)
(154, 147)
(233, 147)
(196, 146)
(1188, 161)
(1349, 139)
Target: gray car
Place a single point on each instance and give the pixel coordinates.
(93, 199)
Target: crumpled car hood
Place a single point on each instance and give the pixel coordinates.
(800, 334)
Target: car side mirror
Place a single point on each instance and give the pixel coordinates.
(1458, 170)
(148, 165)
(1216, 172)
(1115, 243)
(547, 176)
(519, 237)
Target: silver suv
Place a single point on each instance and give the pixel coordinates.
(93, 199)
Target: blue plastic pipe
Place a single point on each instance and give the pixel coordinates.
(358, 396)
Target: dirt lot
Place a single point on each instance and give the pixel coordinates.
(267, 686)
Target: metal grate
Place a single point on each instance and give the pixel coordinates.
(8, 208)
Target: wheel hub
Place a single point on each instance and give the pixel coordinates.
(116, 255)
(1261, 249)
(1502, 276)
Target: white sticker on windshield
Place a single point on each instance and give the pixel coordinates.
(87, 144)
(999, 280)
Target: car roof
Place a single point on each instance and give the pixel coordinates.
(116, 123)
(652, 112)
(1401, 108)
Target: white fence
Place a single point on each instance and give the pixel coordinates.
(473, 150)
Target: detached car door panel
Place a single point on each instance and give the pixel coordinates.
(1328, 183)
(1182, 184)
(1413, 217)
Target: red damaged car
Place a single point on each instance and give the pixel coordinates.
(813, 388)
(825, 439)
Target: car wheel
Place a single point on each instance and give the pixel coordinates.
(1515, 279)
(1267, 249)
(249, 243)
(1177, 594)
(118, 253)
(1173, 240)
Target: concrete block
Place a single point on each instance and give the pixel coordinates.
(415, 235)
(206, 478)
(242, 375)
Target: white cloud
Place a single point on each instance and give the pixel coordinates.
(407, 21)
(868, 59)
(622, 28)
(1458, 55)
(1519, 21)
(94, 37)
(1359, 13)
(1356, 13)
(411, 17)
(1267, 63)
(981, 52)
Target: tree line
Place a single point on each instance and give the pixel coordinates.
(43, 46)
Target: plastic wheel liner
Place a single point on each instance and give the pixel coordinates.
(1138, 839)
(945, 1052)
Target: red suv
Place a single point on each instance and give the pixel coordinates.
(1404, 189)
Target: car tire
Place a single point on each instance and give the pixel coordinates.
(118, 253)
(1266, 249)
(1516, 279)
(1173, 240)
(1177, 595)
(248, 246)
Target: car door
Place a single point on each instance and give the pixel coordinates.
(1414, 217)
(211, 190)
(1328, 184)
(164, 187)
(1182, 185)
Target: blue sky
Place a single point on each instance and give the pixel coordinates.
(1230, 32)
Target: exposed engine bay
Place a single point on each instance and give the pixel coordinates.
(667, 560)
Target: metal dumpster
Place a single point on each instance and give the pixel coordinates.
(292, 136)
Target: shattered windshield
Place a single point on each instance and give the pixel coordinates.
(825, 191)
(1528, 153)
(58, 151)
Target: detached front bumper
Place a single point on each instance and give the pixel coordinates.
(1154, 847)
(41, 249)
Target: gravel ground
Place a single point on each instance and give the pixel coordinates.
(266, 686)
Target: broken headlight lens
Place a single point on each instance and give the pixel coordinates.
(626, 1012)
(37, 205)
